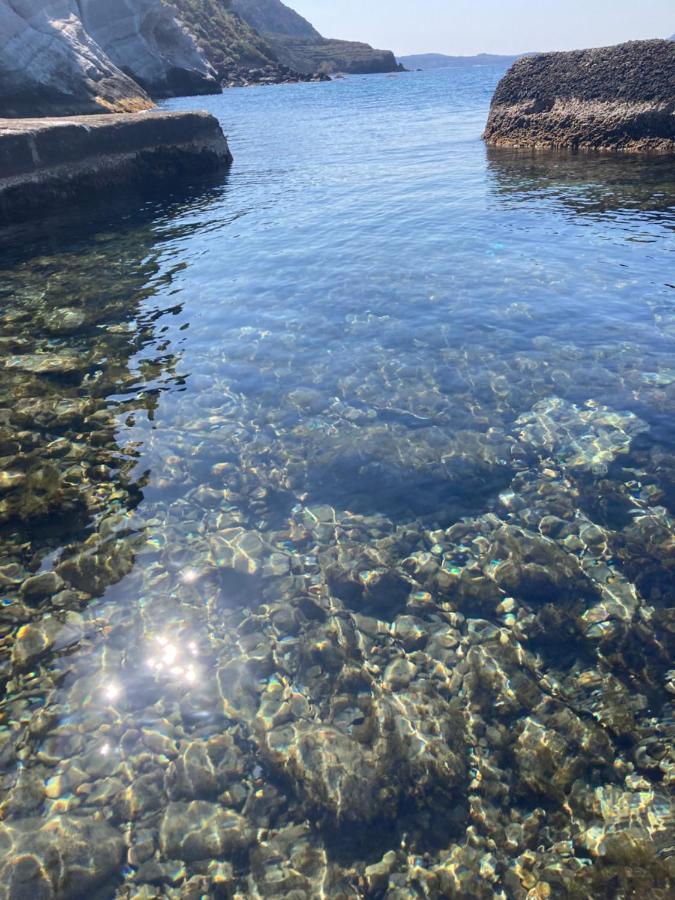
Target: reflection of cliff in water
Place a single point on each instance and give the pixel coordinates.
(81, 315)
(585, 184)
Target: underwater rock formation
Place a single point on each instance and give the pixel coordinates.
(229, 636)
(612, 98)
(47, 161)
(69, 857)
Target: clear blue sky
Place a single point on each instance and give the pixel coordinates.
(491, 26)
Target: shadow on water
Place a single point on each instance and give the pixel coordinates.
(82, 296)
(79, 225)
(378, 487)
(585, 184)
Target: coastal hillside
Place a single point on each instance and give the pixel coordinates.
(300, 46)
(232, 46)
(610, 98)
(274, 17)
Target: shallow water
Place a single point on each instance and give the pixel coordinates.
(348, 482)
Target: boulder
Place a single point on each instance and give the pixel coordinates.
(612, 98)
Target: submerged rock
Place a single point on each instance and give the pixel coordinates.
(67, 857)
(200, 830)
(584, 439)
(50, 633)
(612, 98)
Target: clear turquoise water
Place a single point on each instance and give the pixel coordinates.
(355, 471)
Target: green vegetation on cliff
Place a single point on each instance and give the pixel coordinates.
(226, 40)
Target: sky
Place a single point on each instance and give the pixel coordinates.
(465, 27)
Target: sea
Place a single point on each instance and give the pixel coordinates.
(337, 515)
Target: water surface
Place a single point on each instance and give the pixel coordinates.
(336, 516)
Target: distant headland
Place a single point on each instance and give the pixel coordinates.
(443, 61)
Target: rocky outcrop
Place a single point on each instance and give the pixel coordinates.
(613, 98)
(328, 57)
(300, 46)
(46, 162)
(49, 65)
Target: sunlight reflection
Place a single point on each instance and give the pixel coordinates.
(168, 659)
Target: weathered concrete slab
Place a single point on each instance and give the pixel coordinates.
(44, 162)
(613, 98)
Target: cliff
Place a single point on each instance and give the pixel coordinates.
(75, 57)
(49, 65)
(69, 57)
(274, 17)
(234, 49)
(48, 162)
(147, 42)
(301, 47)
(613, 98)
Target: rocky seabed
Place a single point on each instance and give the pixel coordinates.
(221, 677)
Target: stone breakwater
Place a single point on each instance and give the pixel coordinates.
(613, 98)
(44, 162)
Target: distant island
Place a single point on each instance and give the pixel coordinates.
(442, 61)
